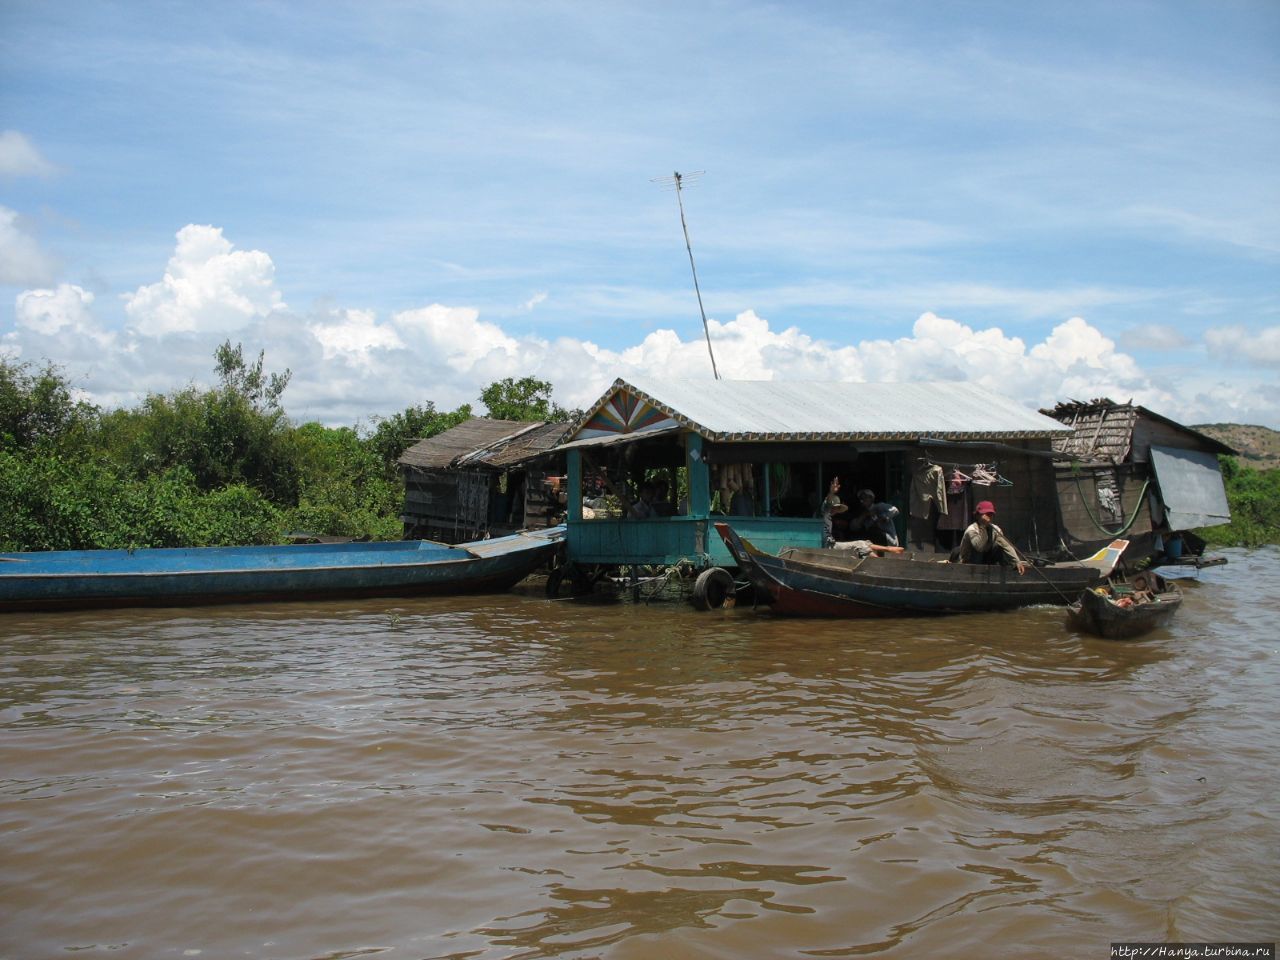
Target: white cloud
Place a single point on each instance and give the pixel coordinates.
(354, 336)
(62, 323)
(22, 262)
(208, 287)
(350, 365)
(1236, 343)
(49, 311)
(20, 158)
(458, 335)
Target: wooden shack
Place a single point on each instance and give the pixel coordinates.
(1126, 471)
(764, 453)
(482, 478)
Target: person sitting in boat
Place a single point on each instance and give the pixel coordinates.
(984, 542)
(874, 521)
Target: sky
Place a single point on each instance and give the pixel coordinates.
(403, 202)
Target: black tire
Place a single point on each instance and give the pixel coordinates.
(582, 580)
(713, 586)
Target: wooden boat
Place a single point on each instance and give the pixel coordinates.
(838, 584)
(205, 575)
(1122, 611)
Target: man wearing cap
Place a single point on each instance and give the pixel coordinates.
(984, 542)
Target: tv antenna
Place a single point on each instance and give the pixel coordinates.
(679, 180)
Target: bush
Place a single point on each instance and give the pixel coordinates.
(1254, 499)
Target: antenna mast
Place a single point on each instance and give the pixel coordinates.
(679, 180)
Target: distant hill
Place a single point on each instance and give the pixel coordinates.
(1259, 446)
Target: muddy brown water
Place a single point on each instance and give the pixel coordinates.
(510, 777)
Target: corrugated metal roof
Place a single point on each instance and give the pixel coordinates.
(838, 410)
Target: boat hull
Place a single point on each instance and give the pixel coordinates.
(833, 584)
(1098, 614)
(217, 575)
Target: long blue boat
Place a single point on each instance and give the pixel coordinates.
(64, 579)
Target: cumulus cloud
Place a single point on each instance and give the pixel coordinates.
(22, 262)
(208, 287)
(61, 321)
(355, 336)
(350, 365)
(48, 312)
(20, 158)
(1261, 347)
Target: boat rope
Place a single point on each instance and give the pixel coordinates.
(1050, 583)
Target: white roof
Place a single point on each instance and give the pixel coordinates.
(837, 410)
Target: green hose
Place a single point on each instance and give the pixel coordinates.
(1113, 533)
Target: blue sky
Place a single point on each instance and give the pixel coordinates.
(403, 202)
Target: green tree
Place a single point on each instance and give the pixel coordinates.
(525, 399)
(38, 409)
(346, 489)
(1254, 499)
(260, 391)
(235, 434)
(395, 434)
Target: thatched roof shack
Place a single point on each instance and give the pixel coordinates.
(1129, 471)
(481, 477)
(764, 453)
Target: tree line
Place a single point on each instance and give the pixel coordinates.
(225, 465)
(208, 466)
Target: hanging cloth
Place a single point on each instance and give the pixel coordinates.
(927, 488)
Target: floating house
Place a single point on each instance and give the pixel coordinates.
(1128, 471)
(652, 463)
(481, 478)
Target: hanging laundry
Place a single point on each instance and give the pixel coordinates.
(958, 482)
(927, 487)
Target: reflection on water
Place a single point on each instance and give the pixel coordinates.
(513, 777)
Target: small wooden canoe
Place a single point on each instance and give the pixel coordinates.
(1123, 611)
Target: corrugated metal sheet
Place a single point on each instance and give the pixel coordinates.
(816, 410)
(1191, 487)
